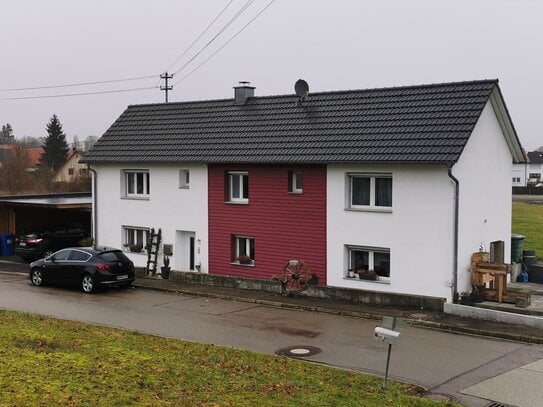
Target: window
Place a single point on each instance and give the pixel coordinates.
(535, 175)
(243, 250)
(135, 238)
(70, 171)
(370, 191)
(184, 179)
(238, 184)
(78, 255)
(82, 171)
(363, 259)
(295, 182)
(136, 183)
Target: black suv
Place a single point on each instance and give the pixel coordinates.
(32, 246)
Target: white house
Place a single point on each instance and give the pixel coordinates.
(529, 173)
(415, 180)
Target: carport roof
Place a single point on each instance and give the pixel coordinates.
(61, 201)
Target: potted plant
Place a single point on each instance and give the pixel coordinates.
(244, 260)
(135, 248)
(367, 275)
(313, 279)
(165, 269)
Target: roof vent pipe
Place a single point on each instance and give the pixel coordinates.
(243, 92)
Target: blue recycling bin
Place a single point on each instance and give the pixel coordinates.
(6, 244)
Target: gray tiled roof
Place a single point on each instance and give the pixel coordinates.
(415, 124)
(535, 157)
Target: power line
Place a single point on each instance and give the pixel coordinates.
(79, 94)
(234, 18)
(226, 43)
(200, 36)
(80, 84)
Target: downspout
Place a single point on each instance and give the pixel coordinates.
(94, 206)
(455, 238)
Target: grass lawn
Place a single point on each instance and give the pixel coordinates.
(528, 221)
(49, 362)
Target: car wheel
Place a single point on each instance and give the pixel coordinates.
(36, 277)
(87, 284)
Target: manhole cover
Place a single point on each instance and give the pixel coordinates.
(298, 351)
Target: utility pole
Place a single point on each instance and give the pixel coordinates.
(166, 88)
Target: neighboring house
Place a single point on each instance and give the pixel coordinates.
(407, 181)
(529, 173)
(72, 170)
(33, 155)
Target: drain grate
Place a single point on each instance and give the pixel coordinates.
(301, 351)
(497, 404)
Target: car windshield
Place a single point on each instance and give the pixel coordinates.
(112, 256)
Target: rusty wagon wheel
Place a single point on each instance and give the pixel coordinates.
(296, 275)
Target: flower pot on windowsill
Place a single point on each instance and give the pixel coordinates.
(244, 260)
(135, 248)
(368, 275)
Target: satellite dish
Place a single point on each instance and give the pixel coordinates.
(301, 88)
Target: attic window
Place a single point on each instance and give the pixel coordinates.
(136, 183)
(295, 182)
(184, 179)
(370, 191)
(238, 187)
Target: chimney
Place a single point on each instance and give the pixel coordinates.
(243, 92)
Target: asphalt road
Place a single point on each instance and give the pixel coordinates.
(442, 362)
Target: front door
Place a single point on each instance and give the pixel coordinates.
(185, 252)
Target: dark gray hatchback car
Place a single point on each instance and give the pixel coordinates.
(86, 267)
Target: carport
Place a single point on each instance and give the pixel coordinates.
(24, 213)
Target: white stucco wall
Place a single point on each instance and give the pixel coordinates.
(418, 231)
(484, 171)
(169, 208)
(519, 172)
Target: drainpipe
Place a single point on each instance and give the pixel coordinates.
(94, 206)
(455, 238)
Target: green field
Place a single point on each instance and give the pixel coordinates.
(49, 362)
(528, 221)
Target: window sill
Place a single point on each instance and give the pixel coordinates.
(243, 265)
(380, 281)
(237, 202)
(369, 209)
(295, 192)
(136, 198)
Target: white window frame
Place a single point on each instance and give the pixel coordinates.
(133, 230)
(236, 251)
(184, 179)
(295, 188)
(236, 177)
(371, 260)
(372, 177)
(127, 181)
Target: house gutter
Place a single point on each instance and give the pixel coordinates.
(455, 237)
(94, 206)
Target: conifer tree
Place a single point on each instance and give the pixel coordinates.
(55, 149)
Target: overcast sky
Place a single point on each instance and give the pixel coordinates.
(333, 45)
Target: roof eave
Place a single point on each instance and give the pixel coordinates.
(506, 124)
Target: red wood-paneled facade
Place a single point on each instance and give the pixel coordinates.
(284, 225)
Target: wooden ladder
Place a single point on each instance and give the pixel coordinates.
(153, 245)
